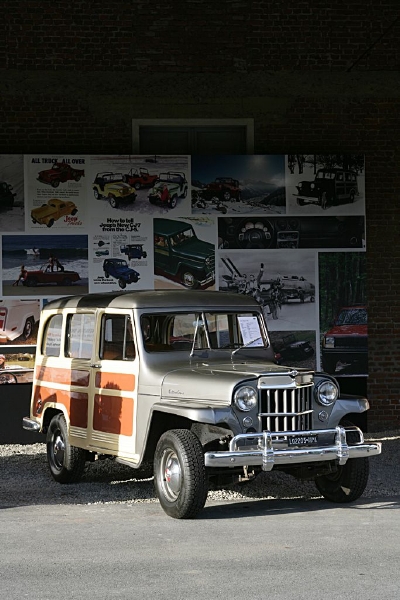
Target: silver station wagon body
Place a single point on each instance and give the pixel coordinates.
(184, 385)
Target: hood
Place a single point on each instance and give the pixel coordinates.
(216, 382)
(124, 271)
(118, 186)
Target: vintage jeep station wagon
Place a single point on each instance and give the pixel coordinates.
(195, 391)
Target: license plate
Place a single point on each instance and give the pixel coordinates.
(303, 440)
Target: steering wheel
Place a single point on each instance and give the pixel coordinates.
(255, 234)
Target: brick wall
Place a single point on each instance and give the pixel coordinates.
(316, 76)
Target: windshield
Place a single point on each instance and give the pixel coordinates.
(352, 316)
(200, 330)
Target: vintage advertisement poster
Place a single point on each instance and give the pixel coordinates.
(55, 191)
(289, 230)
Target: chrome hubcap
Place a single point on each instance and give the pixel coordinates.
(171, 475)
(58, 450)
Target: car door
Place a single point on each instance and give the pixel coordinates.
(114, 379)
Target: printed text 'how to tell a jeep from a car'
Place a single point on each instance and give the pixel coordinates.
(187, 382)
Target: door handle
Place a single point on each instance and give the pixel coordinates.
(96, 366)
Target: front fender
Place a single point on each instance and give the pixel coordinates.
(347, 405)
(202, 414)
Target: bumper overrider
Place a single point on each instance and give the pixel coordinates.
(273, 448)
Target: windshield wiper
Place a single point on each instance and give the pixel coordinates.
(247, 344)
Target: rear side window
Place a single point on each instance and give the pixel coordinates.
(52, 336)
(80, 335)
(116, 341)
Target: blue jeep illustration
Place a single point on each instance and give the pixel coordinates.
(133, 251)
(118, 268)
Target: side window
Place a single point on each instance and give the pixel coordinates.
(52, 336)
(80, 335)
(116, 341)
(160, 241)
(339, 177)
(348, 176)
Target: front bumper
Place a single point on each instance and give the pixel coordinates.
(30, 425)
(272, 449)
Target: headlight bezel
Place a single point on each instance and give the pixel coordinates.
(322, 397)
(243, 403)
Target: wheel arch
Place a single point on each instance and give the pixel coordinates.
(50, 412)
(164, 418)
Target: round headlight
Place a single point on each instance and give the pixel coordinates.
(245, 398)
(326, 393)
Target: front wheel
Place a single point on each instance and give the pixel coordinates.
(189, 280)
(66, 462)
(324, 201)
(50, 223)
(172, 202)
(122, 283)
(347, 483)
(55, 183)
(179, 474)
(113, 201)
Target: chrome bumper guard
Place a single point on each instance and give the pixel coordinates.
(30, 424)
(270, 450)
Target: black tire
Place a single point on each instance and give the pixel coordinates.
(50, 223)
(55, 183)
(107, 275)
(66, 462)
(226, 195)
(122, 283)
(6, 378)
(324, 201)
(137, 186)
(73, 212)
(179, 474)
(77, 177)
(349, 481)
(31, 282)
(113, 201)
(97, 194)
(352, 196)
(189, 280)
(28, 328)
(144, 255)
(173, 202)
(300, 202)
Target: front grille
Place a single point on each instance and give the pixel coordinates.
(352, 342)
(283, 409)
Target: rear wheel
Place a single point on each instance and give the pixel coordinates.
(31, 282)
(300, 202)
(55, 183)
(97, 194)
(137, 186)
(66, 462)
(28, 328)
(179, 474)
(74, 211)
